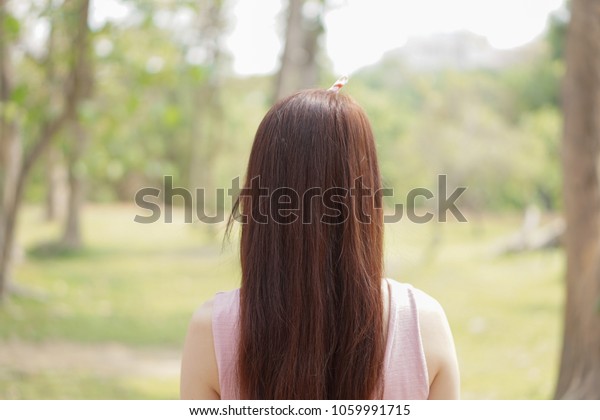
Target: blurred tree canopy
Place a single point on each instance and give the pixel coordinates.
(165, 101)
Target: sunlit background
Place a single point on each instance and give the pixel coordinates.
(97, 305)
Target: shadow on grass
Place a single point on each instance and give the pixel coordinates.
(58, 251)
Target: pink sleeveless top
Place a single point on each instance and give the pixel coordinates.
(405, 371)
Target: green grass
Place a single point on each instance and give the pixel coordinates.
(505, 311)
(137, 284)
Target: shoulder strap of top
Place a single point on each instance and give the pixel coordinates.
(226, 308)
(405, 371)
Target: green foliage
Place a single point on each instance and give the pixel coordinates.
(496, 132)
(533, 85)
(557, 31)
(153, 114)
(12, 26)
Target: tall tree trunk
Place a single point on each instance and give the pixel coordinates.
(72, 234)
(207, 126)
(579, 376)
(207, 139)
(298, 68)
(54, 166)
(83, 70)
(10, 156)
(287, 77)
(55, 185)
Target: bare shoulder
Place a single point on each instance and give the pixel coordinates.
(426, 304)
(438, 345)
(202, 317)
(199, 374)
(432, 318)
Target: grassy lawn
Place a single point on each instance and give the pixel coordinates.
(136, 285)
(505, 311)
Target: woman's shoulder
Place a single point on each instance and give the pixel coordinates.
(202, 316)
(437, 341)
(199, 376)
(218, 306)
(427, 306)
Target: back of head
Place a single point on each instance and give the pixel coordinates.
(311, 254)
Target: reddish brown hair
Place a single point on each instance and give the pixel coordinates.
(311, 311)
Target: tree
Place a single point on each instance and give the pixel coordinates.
(209, 115)
(71, 238)
(18, 160)
(10, 146)
(579, 376)
(54, 167)
(299, 68)
(72, 232)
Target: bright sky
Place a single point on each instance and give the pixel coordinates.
(359, 32)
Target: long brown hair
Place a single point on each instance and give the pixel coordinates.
(311, 310)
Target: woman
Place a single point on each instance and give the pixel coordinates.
(314, 317)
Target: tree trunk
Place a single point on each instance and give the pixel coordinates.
(579, 376)
(83, 73)
(207, 126)
(55, 185)
(72, 234)
(55, 171)
(10, 157)
(299, 69)
(287, 78)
